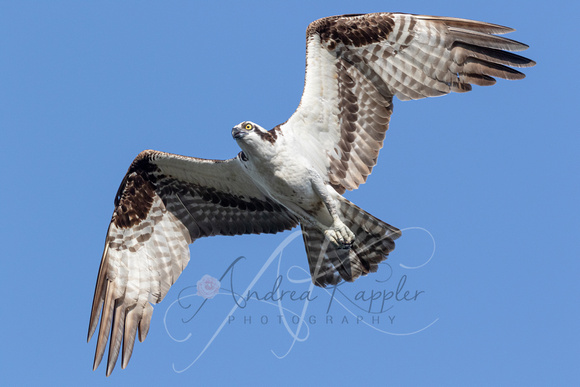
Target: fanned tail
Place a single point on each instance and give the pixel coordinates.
(329, 264)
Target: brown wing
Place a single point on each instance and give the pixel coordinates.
(164, 203)
(356, 64)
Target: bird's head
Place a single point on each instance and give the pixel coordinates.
(247, 129)
(252, 137)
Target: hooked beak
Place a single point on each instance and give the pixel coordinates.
(238, 133)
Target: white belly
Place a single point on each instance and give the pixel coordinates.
(288, 180)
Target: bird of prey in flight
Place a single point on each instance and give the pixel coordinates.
(294, 174)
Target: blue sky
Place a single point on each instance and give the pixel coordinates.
(485, 185)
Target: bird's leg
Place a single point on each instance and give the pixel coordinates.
(337, 233)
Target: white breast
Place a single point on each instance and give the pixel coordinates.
(283, 174)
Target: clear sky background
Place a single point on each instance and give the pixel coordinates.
(491, 175)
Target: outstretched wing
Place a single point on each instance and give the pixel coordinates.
(355, 64)
(164, 203)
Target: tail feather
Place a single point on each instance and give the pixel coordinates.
(329, 264)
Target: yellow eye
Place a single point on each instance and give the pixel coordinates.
(248, 127)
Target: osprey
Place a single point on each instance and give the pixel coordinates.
(296, 173)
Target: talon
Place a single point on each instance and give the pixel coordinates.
(346, 246)
(347, 236)
(340, 236)
(331, 236)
